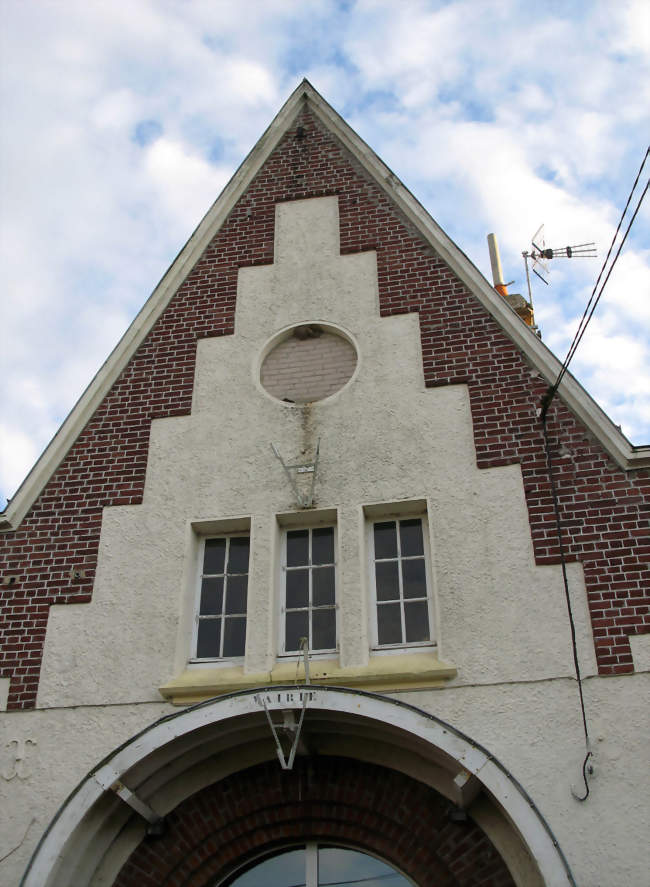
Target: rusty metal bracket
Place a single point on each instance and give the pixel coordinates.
(304, 500)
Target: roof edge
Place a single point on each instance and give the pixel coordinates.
(625, 454)
(118, 359)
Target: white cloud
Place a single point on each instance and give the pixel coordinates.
(186, 184)
(18, 452)
(120, 123)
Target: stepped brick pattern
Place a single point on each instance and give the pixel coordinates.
(213, 833)
(604, 510)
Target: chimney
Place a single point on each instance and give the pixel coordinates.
(516, 301)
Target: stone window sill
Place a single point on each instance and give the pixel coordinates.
(410, 671)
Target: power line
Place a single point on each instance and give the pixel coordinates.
(580, 334)
(594, 299)
(354, 881)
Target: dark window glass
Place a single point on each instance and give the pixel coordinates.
(410, 535)
(336, 865)
(350, 867)
(238, 556)
(385, 540)
(387, 581)
(322, 546)
(279, 871)
(215, 550)
(297, 627)
(234, 637)
(236, 594)
(219, 637)
(310, 584)
(322, 586)
(323, 623)
(297, 548)
(389, 624)
(401, 582)
(416, 620)
(297, 588)
(211, 596)
(209, 638)
(414, 581)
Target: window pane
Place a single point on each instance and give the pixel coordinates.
(215, 550)
(322, 546)
(234, 637)
(350, 867)
(416, 618)
(238, 557)
(207, 644)
(387, 581)
(385, 540)
(297, 548)
(297, 588)
(211, 596)
(389, 625)
(322, 591)
(236, 594)
(297, 627)
(410, 537)
(286, 869)
(414, 578)
(323, 624)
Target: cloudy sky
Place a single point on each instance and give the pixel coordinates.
(121, 122)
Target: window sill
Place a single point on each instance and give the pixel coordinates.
(410, 671)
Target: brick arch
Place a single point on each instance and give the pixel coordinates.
(335, 800)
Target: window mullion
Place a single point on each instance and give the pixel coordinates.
(400, 581)
(311, 865)
(223, 597)
(310, 591)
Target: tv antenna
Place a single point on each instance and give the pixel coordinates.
(540, 255)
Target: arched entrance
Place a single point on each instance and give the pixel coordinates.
(318, 865)
(328, 800)
(371, 772)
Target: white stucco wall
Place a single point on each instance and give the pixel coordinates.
(501, 620)
(44, 754)
(383, 438)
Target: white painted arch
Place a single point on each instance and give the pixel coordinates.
(160, 767)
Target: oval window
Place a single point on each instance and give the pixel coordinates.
(316, 865)
(309, 363)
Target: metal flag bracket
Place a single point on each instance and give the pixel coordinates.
(288, 726)
(304, 500)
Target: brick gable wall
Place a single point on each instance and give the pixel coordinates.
(605, 510)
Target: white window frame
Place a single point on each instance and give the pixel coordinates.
(379, 518)
(194, 658)
(284, 530)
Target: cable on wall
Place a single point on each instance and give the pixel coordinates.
(547, 399)
(586, 768)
